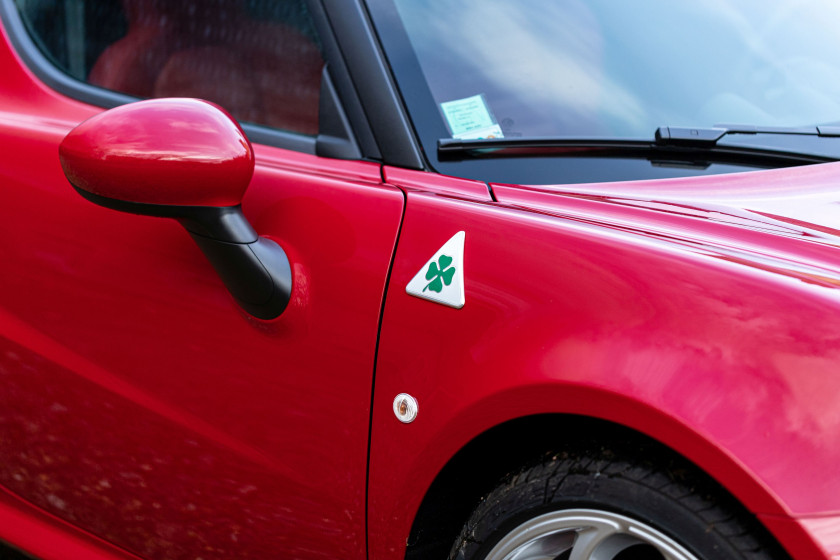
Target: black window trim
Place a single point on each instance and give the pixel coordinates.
(343, 127)
(369, 76)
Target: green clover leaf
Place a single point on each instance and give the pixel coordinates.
(439, 273)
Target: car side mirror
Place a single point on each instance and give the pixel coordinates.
(189, 160)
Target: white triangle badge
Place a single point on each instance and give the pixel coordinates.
(442, 278)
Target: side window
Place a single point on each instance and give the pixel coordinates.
(259, 59)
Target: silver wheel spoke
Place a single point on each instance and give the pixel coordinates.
(547, 547)
(590, 540)
(585, 535)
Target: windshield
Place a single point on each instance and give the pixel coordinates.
(472, 69)
(621, 69)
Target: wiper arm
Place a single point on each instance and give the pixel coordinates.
(704, 137)
(699, 137)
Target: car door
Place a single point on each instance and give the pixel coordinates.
(138, 402)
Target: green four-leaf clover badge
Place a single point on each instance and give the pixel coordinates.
(441, 278)
(439, 273)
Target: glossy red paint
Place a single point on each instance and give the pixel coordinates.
(203, 429)
(698, 335)
(138, 388)
(810, 537)
(45, 536)
(183, 152)
(827, 532)
(438, 184)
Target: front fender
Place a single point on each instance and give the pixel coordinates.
(731, 365)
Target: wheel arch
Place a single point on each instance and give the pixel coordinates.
(479, 466)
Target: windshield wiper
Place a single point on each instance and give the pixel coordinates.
(670, 144)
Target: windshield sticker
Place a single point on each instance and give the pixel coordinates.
(470, 119)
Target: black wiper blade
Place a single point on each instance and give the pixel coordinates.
(456, 146)
(677, 144)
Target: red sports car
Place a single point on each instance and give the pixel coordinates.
(420, 279)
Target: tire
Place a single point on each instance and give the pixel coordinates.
(597, 505)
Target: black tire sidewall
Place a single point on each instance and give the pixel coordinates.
(696, 518)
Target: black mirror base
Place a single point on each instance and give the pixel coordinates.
(255, 270)
(257, 275)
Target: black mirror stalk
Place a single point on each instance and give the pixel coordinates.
(254, 269)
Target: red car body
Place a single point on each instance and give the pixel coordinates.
(144, 414)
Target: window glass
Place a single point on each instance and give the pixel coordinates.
(621, 69)
(259, 59)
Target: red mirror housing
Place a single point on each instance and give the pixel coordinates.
(182, 152)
